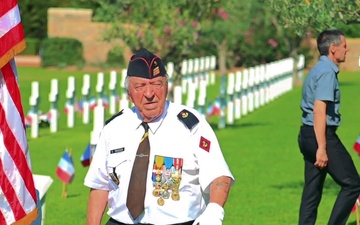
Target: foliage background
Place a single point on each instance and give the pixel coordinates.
(254, 31)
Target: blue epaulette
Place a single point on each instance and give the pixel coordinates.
(114, 116)
(188, 118)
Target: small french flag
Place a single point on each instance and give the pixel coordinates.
(65, 170)
(86, 156)
(356, 146)
(214, 109)
(92, 103)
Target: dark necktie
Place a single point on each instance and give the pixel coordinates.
(137, 185)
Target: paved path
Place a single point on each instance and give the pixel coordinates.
(28, 60)
(35, 61)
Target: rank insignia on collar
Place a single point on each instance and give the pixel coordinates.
(204, 144)
(188, 118)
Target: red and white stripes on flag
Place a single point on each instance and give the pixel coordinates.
(17, 190)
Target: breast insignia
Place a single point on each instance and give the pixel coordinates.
(188, 118)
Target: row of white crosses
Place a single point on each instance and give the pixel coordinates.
(99, 110)
(247, 90)
(99, 113)
(196, 74)
(34, 101)
(254, 87)
(124, 102)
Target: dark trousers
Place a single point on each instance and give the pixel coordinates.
(341, 168)
(114, 222)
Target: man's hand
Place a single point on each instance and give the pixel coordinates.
(213, 215)
(321, 158)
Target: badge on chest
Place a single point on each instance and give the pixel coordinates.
(166, 177)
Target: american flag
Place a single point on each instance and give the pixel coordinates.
(17, 190)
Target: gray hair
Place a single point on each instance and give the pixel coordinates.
(327, 38)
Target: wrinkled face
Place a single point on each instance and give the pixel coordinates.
(148, 96)
(339, 51)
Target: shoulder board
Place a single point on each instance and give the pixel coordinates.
(188, 118)
(114, 116)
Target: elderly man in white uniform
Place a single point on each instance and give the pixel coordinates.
(183, 179)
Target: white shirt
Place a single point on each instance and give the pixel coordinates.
(171, 142)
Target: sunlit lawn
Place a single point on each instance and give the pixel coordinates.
(261, 149)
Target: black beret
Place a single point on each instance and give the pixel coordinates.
(145, 64)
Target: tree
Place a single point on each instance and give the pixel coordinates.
(294, 19)
(169, 28)
(317, 15)
(224, 27)
(260, 43)
(34, 17)
(34, 14)
(177, 29)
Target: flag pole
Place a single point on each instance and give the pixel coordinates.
(64, 193)
(357, 216)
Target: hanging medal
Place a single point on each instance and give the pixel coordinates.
(160, 201)
(166, 178)
(178, 163)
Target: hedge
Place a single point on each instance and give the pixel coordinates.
(61, 52)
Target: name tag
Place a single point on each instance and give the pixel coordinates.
(117, 150)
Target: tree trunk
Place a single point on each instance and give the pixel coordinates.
(222, 51)
(297, 81)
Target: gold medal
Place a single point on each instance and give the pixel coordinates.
(156, 192)
(175, 196)
(160, 202)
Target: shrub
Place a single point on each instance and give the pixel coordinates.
(61, 52)
(32, 46)
(115, 57)
(350, 30)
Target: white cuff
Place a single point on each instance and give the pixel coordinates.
(213, 214)
(215, 210)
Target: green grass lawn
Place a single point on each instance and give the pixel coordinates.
(260, 148)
